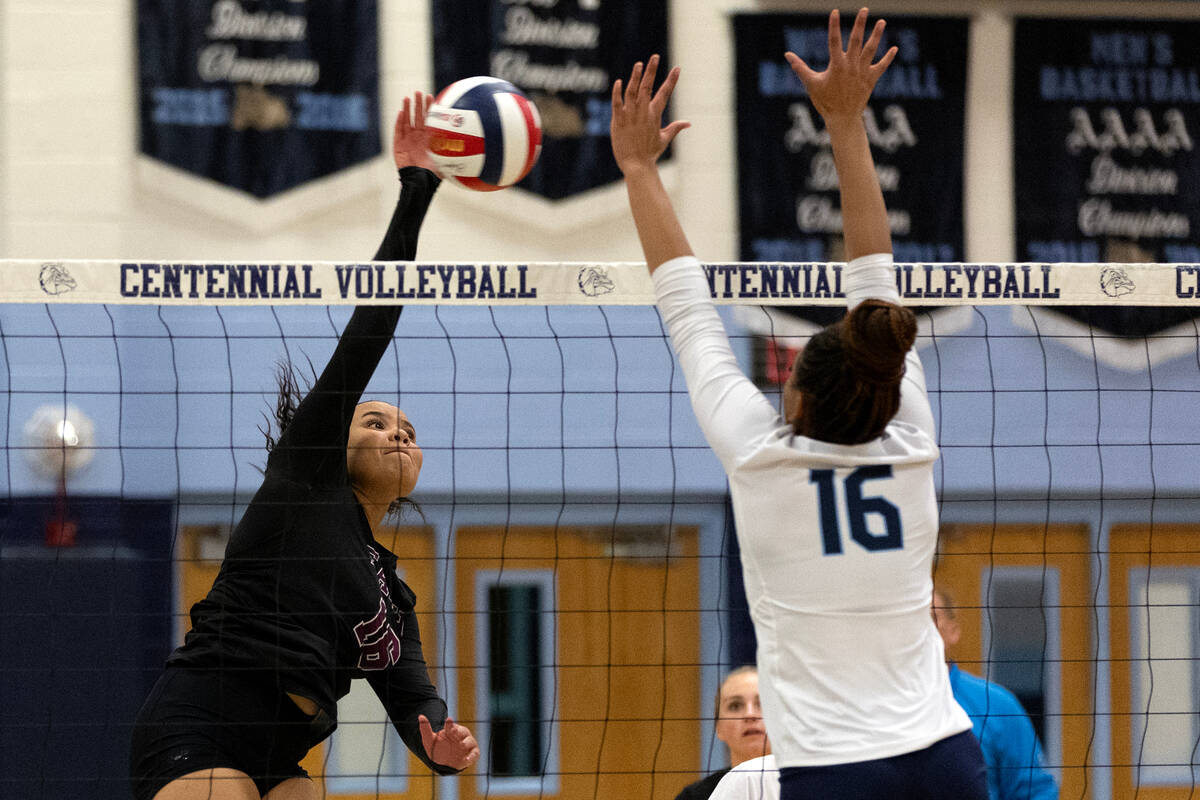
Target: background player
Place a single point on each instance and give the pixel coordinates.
(834, 502)
(756, 779)
(739, 724)
(307, 597)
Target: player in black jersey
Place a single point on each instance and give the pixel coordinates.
(307, 598)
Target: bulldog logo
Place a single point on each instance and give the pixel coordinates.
(594, 281)
(55, 279)
(1114, 282)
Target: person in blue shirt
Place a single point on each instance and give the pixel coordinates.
(1010, 745)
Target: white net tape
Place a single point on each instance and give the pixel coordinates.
(575, 283)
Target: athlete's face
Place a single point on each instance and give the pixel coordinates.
(739, 718)
(382, 452)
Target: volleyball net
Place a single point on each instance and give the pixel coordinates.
(573, 556)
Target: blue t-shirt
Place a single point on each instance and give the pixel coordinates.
(1010, 745)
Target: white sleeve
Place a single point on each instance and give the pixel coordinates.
(914, 398)
(757, 779)
(870, 277)
(873, 277)
(732, 412)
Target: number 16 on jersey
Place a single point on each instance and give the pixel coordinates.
(859, 509)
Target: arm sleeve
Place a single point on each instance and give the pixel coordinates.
(748, 784)
(407, 692)
(872, 277)
(313, 447)
(417, 186)
(730, 409)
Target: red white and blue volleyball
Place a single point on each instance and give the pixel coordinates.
(484, 133)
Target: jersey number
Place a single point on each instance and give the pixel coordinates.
(378, 644)
(857, 509)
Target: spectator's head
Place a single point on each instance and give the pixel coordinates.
(739, 722)
(946, 618)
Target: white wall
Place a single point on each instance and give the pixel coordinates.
(69, 188)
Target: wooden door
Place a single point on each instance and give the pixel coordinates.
(1154, 627)
(611, 686)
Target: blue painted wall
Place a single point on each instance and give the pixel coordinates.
(558, 400)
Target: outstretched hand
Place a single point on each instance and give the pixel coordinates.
(843, 88)
(453, 746)
(410, 141)
(637, 136)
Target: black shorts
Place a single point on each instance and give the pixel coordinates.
(952, 769)
(200, 719)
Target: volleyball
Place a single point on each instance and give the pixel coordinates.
(484, 133)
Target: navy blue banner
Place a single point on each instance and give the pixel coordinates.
(259, 95)
(564, 54)
(787, 185)
(1106, 167)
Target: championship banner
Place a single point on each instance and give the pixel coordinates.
(787, 185)
(788, 200)
(1107, 169)
(259, 95)
(565, 55)
(576, 283)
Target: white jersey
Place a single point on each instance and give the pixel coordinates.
(756, 779)
(837, 545)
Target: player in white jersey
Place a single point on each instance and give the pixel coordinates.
(834, 500)
(756, 779)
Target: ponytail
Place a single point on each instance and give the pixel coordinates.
(287, 400)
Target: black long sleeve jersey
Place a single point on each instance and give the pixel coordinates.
(306, 599)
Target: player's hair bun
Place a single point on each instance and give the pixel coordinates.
(850, 373)
(876, 336)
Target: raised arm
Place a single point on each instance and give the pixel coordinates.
(313, 445)
(638, 142)
(840, 95)
(418, 181)
(731, 411)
